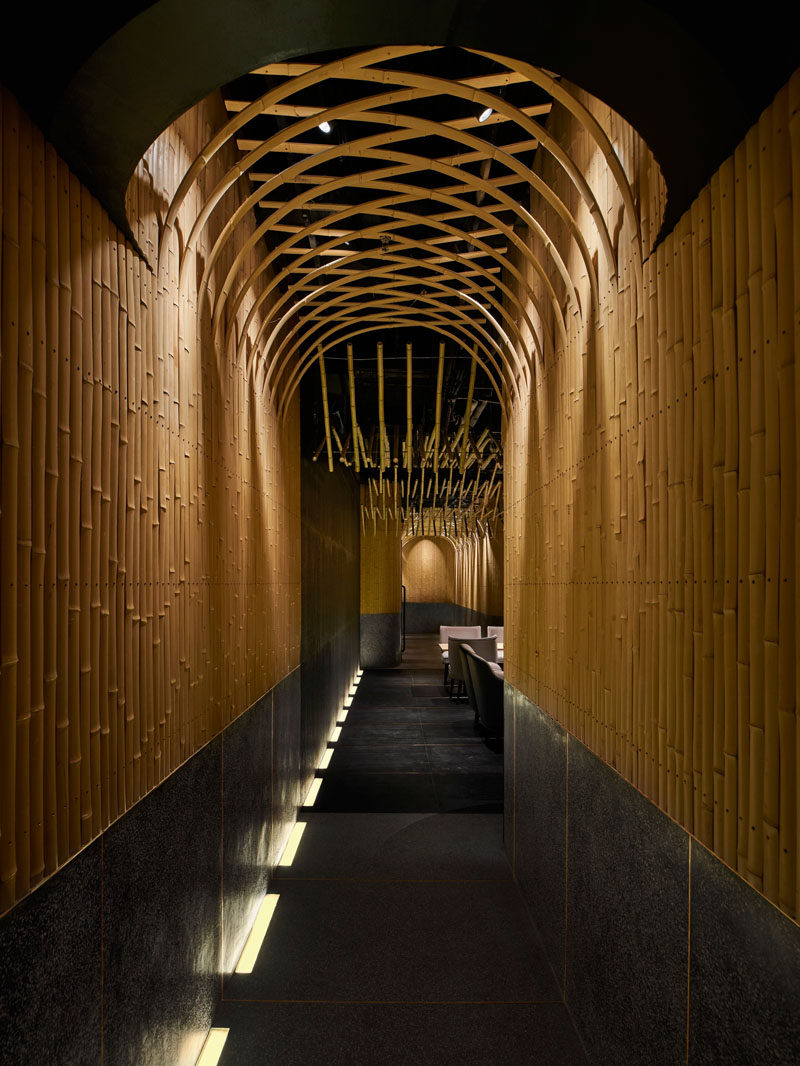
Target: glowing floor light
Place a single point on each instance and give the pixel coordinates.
(336, 734)
(212, 1048)
(252, 946)
(313, 792)
(292, 844)
(325, 761)
(342, 715)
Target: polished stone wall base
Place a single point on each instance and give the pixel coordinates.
(427, 617)
(138, 929)
(615, 886)
(380, 640)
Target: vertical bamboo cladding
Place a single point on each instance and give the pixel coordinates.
(150, 505)
(467, 571)
(651, 508)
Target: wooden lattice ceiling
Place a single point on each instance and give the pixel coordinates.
(392, 189)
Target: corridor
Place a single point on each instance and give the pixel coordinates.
(328, 322)
(399, 935)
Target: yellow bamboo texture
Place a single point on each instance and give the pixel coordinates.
(138, 496)
(651, 515)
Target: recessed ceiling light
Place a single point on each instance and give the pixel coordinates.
(326, 126)
(483, 115)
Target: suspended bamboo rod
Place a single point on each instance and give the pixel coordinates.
(326, 416)
(409, 411)
(353, 419)
(467, 416)
(383, 440)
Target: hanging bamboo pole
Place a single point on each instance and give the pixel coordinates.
(384, 441)
(467, 415)
(325, 414)
(353, 419)
(409, 417)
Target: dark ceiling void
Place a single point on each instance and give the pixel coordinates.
(105, 81)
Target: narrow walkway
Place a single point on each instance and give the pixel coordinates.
(400, 936)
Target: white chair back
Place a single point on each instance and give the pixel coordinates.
(457, 631)
(495, 631)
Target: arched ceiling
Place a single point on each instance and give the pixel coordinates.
(104, 80)
(393, 189)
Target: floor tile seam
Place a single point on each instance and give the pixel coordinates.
(399, 880)
(414, 744)
(405, 1002)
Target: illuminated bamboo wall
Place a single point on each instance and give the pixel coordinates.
(380, 566)
(478, 573)
(429, 570)
(150, 585)
(467, 571)
(651, 514)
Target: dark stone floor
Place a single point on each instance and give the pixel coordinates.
(400, 935)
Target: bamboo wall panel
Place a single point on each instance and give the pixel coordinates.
(429, 570)
(380, 564)
(651, 508)
(479, 573)
(467, 571)
(149, 588)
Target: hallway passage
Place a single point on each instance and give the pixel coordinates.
(399, 935)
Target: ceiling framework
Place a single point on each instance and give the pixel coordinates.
(392, 190)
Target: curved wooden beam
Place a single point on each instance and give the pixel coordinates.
(343, 301)
(389, 323)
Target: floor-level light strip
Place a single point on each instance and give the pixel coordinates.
(292, 844)
(342, 715)
(212, 1048)
(252, 946)
(336, 734)
(325, 761)
(313, 792)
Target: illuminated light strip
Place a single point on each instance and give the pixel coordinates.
(325, 761)
(313, 792)
(348, 702)
(336, 734)
(212, 1047)
(247, 959)
(292, 844)
(342, 715)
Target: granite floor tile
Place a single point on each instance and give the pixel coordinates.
(470, 758)
(470, 792)
(407, 941)
(363, 758)
(378, 792)
(396, 1035)
(453, 846)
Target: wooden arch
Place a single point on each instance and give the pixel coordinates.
(490, 198)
